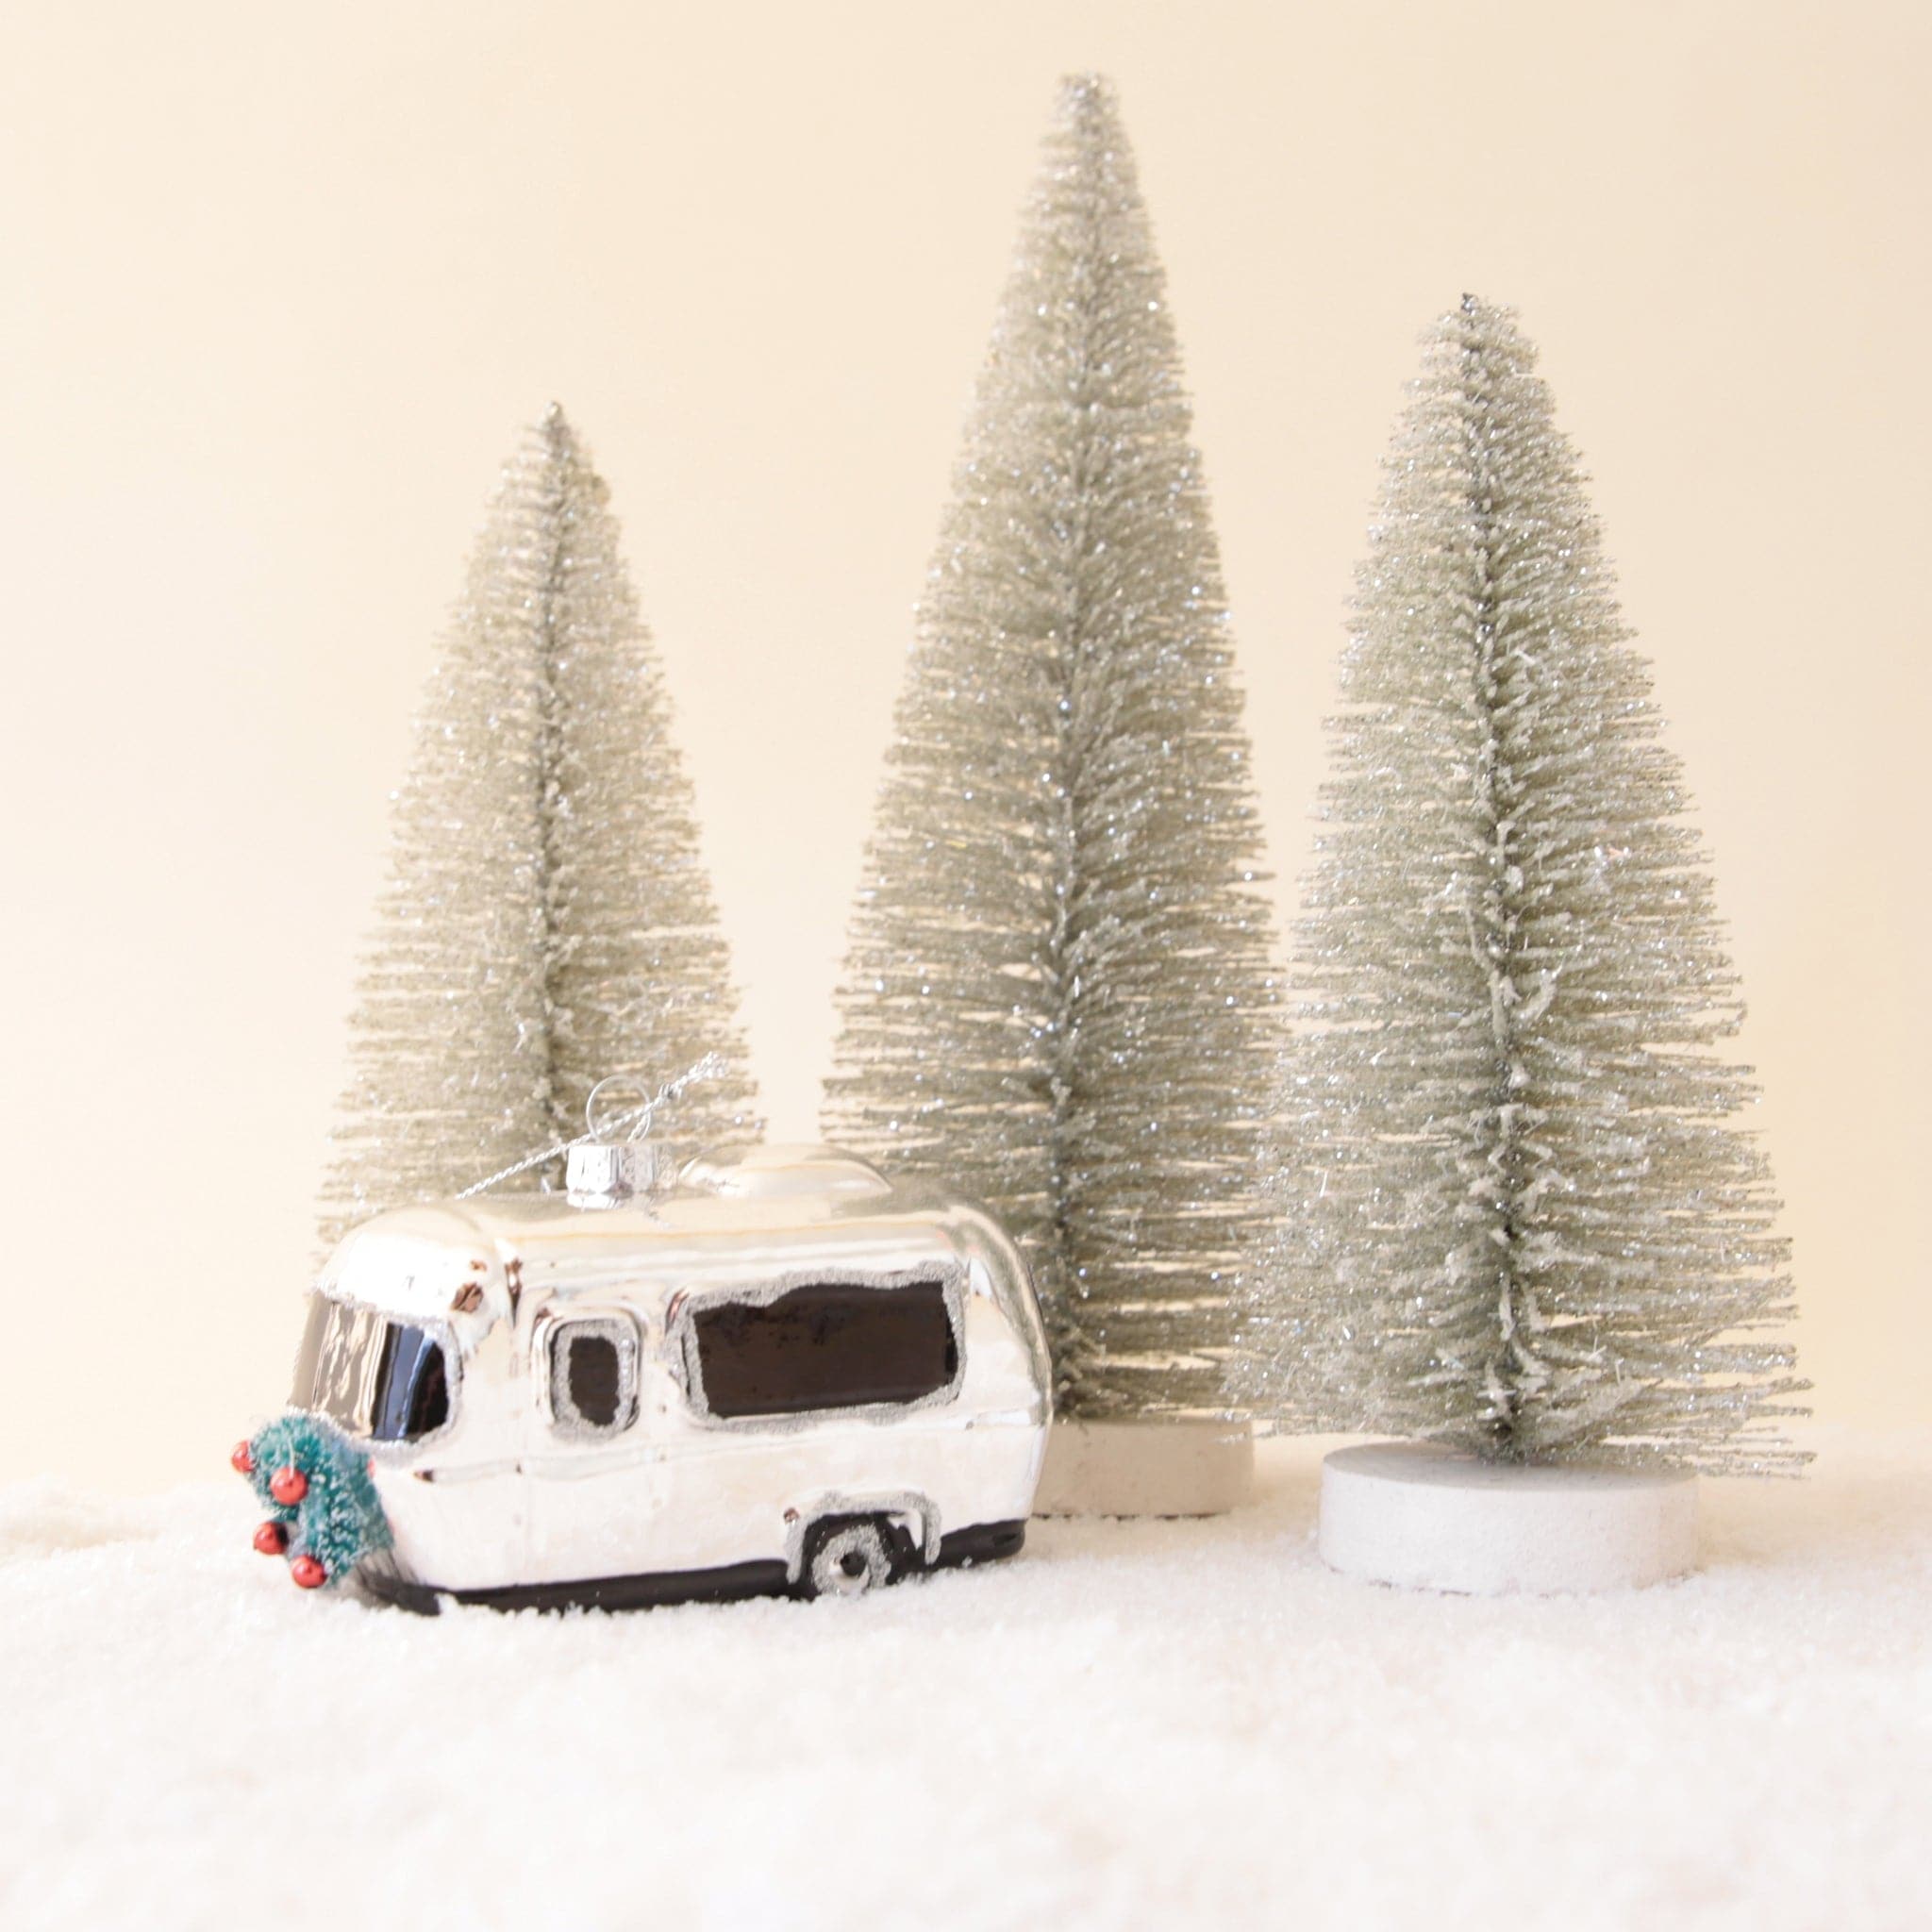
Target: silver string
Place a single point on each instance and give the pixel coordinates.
(638, 1119)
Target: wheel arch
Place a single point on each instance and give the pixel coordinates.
(910, 1510)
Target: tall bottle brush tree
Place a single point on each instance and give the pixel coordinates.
(1058, 993)
(1526, 1223)
(547, 919)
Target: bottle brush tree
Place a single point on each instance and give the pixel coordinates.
(547, 919)
(1058, 993)
(1525, 1223)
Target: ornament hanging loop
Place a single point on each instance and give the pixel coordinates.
(605, 1116)
(636, 1121)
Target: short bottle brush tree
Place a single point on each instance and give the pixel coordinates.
(547, 919)
(1527, 1225)
(1059, 994)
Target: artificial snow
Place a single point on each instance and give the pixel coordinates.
(1133, 1724)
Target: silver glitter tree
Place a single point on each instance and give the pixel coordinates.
(1525, 1223)
(1058, 995)
(547, 919)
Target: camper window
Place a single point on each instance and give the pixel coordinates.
(593, 1375)
(411, 1388)
(825, 1344)
(373, 1377)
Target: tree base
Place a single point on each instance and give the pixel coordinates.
(1427, 1518)
(1179, 1466)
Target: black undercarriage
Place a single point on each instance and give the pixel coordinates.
(980, 1543)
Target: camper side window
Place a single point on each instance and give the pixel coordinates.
(593, 1375)
(824, 1344)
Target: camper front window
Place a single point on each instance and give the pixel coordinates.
(373, 1376)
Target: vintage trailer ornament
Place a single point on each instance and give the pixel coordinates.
(766, 1369)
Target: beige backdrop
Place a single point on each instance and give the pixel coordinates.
(279, 285)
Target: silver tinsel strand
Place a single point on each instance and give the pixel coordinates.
(1058, 995)
(547, 919)
(1524, 1222)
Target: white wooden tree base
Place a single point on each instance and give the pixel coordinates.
(1428, 1518)
(1182, 1467)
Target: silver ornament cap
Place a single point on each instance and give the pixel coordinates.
(605, 1174)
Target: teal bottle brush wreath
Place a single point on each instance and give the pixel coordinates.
(324, 1515)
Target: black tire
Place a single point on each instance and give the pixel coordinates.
(850, 1556)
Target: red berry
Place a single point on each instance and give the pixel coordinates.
(272, 1539)
(240, 1460)
(288, 1486)
(308, 1572)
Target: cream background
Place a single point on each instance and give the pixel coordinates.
(280, 284)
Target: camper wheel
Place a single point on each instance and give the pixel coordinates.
(847, 1556)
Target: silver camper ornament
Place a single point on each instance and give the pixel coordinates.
(766, 1369)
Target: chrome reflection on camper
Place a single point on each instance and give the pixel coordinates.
(774, 1371)
(372, 1376)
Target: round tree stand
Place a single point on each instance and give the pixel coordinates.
(1429, 1518)
(1181, 1467)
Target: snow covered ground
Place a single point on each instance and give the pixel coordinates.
(1165, 1724)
